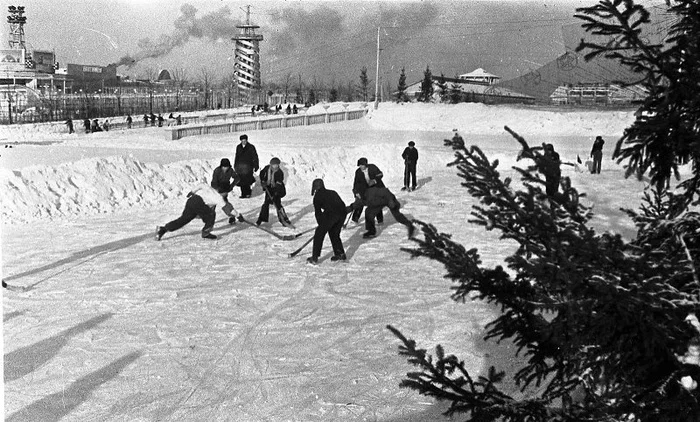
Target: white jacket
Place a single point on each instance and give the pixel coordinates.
(213, 198)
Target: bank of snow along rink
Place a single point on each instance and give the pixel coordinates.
(104, 323)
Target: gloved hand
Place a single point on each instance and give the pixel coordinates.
(372, 182)
(240, 218)
(189, 194)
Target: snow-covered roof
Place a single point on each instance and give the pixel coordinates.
(479, 73)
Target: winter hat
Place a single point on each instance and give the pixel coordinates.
(598, 137)
(316, 186)
(362, 161)
(242, 137)
(411, 144)
(225, 162)
(275, 160)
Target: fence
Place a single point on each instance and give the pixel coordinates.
(179, 132)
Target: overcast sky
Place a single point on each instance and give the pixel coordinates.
(327, 40)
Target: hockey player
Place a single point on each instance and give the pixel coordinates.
(201, 202)
(245, 165)
(330, 214)
(221, 179)
(367, 176)
(410, 159)
(377, 199)
(272, 181)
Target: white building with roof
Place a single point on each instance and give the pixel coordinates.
(480, 76)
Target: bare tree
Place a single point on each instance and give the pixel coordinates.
(206, 78)
(287, 84)
(180, 76)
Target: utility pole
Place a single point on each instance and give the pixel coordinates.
(376, 82)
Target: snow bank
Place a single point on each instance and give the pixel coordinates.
(477, 118)
(105, 184)
(94, 185)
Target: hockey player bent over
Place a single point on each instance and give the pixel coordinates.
(330, 214)
(201, 202)
(378, 198)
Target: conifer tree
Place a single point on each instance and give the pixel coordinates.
(364, 82)
(442, 86)
(333, 95)
(401, 94)
(608, 327)
(426, 86)
(455, 93)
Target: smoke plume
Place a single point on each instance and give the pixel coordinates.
(213, 25)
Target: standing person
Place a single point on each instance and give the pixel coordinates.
(86, 125)
(160, 120)
(105, 125)
(272, 181)
(330, 215)
(410, 159)
(457, 137)
(597, 154)
(289, 109)
(145, 120)
(221, 179)
(367, 177)
(202, 201)
(245, 165)
(69, 123)
(550, 165)
(295, 110)
(153, 119)
(179, 119)
(129, 120)
(378, 198)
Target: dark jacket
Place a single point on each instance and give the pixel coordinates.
(221, 179)
(360, 184)
(410, 155)
(276, 184)
(597, 146)
(246, 161)
(381, 197)
(328, 204)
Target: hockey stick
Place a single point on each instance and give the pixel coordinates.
(281, 213)
(295, 253)
(347, 221)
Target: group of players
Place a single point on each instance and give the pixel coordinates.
(330, 210)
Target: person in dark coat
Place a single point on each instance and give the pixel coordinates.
(330, 215)
(549, 164)
(69, 123)
(597, 154)
(367, 176)
(245, 165)
(295, 110)
(86, 125)
(145, 120)
(221, 179)
(201, 202)
(95, 126)
(153, 119)
(289, 109)
(160, 120)
(569, 196)
(378, 198)
(272, 181)
(129, 120)
(410, 159)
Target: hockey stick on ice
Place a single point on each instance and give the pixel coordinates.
(295, 253)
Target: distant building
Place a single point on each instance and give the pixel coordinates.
(480, 76)
(480, 91)
(570, 79)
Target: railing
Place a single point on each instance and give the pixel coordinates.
(282, 121)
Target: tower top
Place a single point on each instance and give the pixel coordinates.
(248, 29)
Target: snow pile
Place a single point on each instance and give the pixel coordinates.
(105, 184)
(93, 185)
(477, 118)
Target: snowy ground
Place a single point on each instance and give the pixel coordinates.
(116, 326)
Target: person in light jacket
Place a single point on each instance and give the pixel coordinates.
(201, 202)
